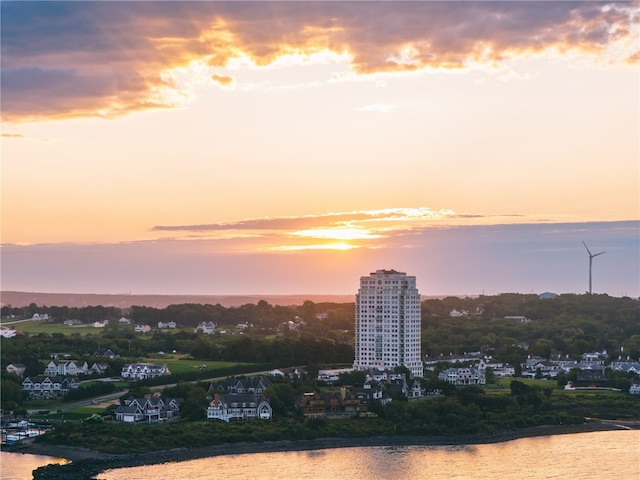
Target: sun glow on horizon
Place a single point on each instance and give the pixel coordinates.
(324, 246)
(337, 233)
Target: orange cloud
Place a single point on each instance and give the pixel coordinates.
(69, 59)
(222, 79)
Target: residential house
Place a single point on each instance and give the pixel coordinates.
(415, 390)
(379, 375)
(140, 371)
(124, 321)
(634, 389)
(239, 407)
(430, 363)
(206, 327)
(595, 377)
(72, 322)
(40, 316)
(332, 375)
(8, 332)
(40, 387)
(104, 352)
(374, 391)
(627, 365)
(16, 368)
(66, 367)
(343, 404)
(546, 368)
(241, 385)
(142, 329)
(465, 375)
(99, 368)
(292, 372)
(499, 369)
(594, 358)
(153, 409)
(171, 324)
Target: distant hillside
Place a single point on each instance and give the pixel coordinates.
(22, 299)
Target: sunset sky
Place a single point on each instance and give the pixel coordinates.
(291, 147)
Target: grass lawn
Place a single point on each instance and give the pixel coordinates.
(503, 384)
(181, 365)
(45, 326)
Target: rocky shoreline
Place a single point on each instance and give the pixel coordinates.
(87, 464)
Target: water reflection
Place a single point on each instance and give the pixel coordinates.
(582, 456)
(18, 466)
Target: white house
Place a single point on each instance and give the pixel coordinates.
(140, 371)
(465, 375)
(151, 409)
(16, 368)
(7, 332)
(99, 368)
(238, 407)
(206, 327)
(66, 367)
(171, 324)
(142, 328)
(48, 386)
(635, 389)
(332, 375)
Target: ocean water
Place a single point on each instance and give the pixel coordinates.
(18, 466)
(582, 456)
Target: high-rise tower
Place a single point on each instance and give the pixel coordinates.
(388, 322)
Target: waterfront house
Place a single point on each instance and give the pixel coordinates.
(152, 409)
(342, 404)
(238, 407)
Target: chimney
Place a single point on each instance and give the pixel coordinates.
(216, 400)
(343, 392)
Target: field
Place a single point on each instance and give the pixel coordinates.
(181, 364)
(33, 327)
(503, 384)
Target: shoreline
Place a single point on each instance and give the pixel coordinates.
(87, 464)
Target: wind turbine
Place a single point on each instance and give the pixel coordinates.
(590, 262)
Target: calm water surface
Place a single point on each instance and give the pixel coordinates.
(18, 466)
(583, 456)
(587, 456)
